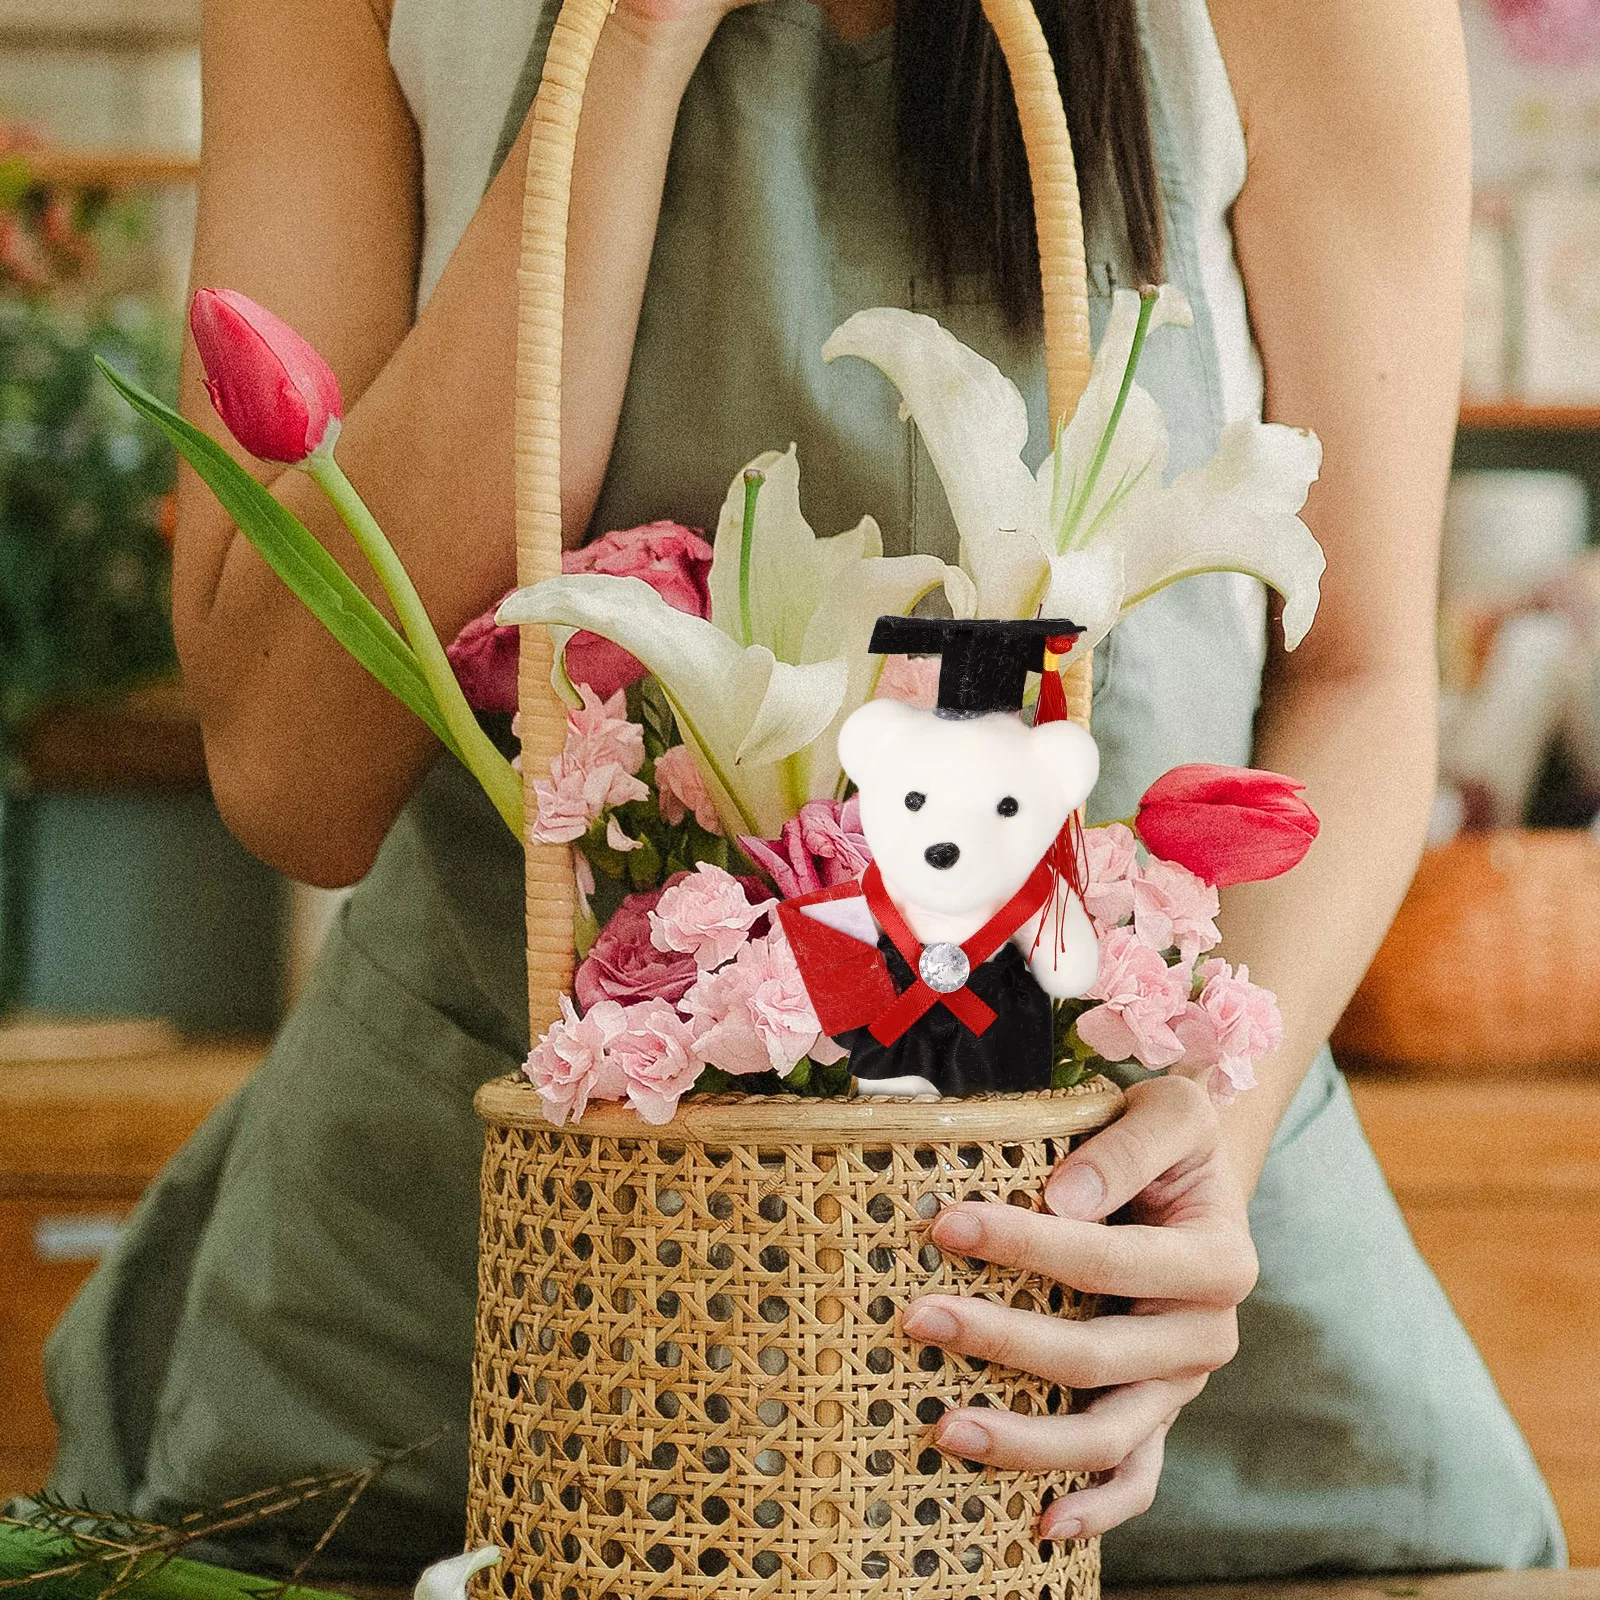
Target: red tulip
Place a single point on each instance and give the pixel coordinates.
(1226, 824)
(278, 397)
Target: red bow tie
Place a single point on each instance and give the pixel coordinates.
(849, 983)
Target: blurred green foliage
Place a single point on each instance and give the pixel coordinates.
(85, 485)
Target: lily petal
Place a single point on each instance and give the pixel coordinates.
(975, 427)
(447, 1580)
(1237, 514)
(739, 710)
(1087, 587)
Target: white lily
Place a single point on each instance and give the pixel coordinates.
(447, 1580)
(1096, 529)
(759, 690)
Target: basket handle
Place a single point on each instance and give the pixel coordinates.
(541, 288)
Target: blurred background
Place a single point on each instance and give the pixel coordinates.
(145, 958)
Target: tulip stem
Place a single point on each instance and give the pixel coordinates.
(499, 780)
(753, 479)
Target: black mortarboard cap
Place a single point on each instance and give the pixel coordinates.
(984, 664)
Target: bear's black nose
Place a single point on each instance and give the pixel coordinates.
(942, 855)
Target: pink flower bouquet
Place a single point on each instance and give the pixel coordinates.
(707, 682)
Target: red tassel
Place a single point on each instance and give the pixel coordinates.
(1068, 856)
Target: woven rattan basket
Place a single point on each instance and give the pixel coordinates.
(1493, 961)
(689, 1377)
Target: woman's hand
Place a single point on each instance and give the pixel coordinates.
(1185, 1261)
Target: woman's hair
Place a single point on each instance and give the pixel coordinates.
(961, 142)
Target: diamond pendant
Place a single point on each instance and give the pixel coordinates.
(944, 967)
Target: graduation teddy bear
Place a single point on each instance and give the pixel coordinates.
(937, 968)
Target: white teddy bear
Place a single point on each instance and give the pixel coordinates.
(960, 811)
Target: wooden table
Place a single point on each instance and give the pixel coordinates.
(80, 1137)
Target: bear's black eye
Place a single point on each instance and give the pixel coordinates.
(1008, 807)
(914, 800)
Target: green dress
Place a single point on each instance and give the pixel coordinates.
(297, 1288)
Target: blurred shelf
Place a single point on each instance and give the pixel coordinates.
(149, 740)
(109, 168)
(114, 24)
(1515, 414)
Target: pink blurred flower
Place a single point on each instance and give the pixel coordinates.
(675, 561)
(1141, 998)
(1174, 908)
(655, 1051)
(754, 1015)
(912, 679)
(1113, 860)
(1555, 33)
(625, 965)
(278, 397)
(822, 846)
(681, 787)
(1226, 1029)
(573, 1063)
(705, 914)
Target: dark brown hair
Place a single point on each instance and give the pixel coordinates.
(961, 143)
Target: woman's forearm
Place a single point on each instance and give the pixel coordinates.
(1364, 746)
(311, 760)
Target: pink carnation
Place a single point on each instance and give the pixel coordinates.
(1113, 860)
(625, 965)
(573, 1063)
(675, 561)
(573, 796)
(1229, 1027)
(681, 787)
(1141, 998)
(594, 772)
(912, 679)
(1175, 909)
(655, 1051)
(707, 915)
(822, 846)
(754, 1015)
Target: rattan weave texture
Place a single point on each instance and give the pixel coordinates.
(690, 1378)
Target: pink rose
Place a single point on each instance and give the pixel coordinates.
(573, 1063)
(1172, 908)
(705, 914)
(484, 656)
(1113, 860)
(1229, 1027)
(675, 561)
(1141, 998)
(681, 787)
(912, 679)
(655, 1051)
(625, 965)
(822, 846)
(754, 1015)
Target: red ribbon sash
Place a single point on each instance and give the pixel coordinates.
(919, 999)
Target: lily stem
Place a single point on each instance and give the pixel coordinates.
(478, 753)
(1147, 306)
(753, 479)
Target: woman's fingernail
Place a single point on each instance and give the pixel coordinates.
(930, 1322)
(1062, 1527)
(958, 1229)
(1075, 1192)
(963, 1438)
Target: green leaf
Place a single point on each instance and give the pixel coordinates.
(292, 551)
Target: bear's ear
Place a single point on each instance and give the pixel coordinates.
(1072, 755)
(870, 735)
